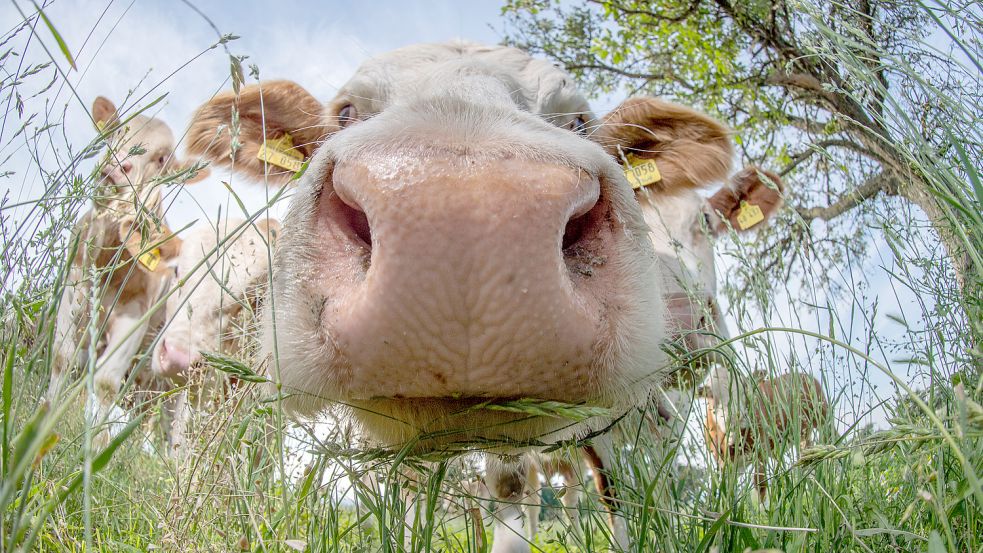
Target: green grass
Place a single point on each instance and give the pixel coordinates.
(257, 481)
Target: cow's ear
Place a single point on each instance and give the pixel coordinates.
(104, 113)
(691, 149)
(280, 112)
(751, 198)
(151, 247)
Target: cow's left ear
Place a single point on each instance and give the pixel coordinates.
(691, 149)
(752, 197)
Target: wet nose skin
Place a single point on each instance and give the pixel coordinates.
(466, 292)
(174, 360)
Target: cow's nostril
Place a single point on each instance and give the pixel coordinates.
(582, 226)
(357, 223)
(575, 230)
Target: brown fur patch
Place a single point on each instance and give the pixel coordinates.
(601, 480)
(284, 106)
(775, 405)
(691, 148)
(747, 185)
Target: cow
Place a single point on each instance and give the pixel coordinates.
(220, 275)
(463, 236)
(117, 268)
(751, 424)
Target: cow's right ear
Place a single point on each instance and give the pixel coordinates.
(690, 148)
(280, 111)
(104, 113)
(152, 252)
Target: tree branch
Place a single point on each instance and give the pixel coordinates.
(657, 16)
(881, 182)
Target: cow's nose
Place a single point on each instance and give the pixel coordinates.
(174, 360)
(544, 203)
(117, 174)
(469, 267)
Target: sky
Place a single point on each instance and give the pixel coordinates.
(135, 51)
(144, 49)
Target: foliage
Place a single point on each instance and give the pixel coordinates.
(850, 101)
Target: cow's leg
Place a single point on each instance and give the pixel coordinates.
(760, 480)
(601, 458)
(71, 346)
(179, 412)
(533, 501)
(506, 481)
(125, 333)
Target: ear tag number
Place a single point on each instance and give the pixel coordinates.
(749, 215)
(641, 172)
(281, 152)
(150, 259)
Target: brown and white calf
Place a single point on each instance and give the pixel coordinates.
(757, 421)
(462, 235)
(118, 271)
(220, 275)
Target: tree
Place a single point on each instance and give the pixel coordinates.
(852, 102)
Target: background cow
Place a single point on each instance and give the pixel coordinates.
(220, 276)
(121, 246)
(754, 421)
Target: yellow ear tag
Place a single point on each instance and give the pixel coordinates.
(749, 215)
(100, 125)
(281, 152)
(150, 259)
(641, 172)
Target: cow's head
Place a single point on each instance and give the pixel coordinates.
(223, 273)
(463, 233)
(140, 149)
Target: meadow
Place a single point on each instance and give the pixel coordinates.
(895, 337)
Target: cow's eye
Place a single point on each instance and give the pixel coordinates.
(579, 125)
(161, 159)
(347, 115)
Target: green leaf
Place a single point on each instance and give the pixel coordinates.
(54, 32)
(232, 366)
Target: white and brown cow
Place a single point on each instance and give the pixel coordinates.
(757, 421)
(462, 236)
(220, 275)
(118, 270)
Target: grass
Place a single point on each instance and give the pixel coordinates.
(257, 481)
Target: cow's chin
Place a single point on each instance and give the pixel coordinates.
(453, 425)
